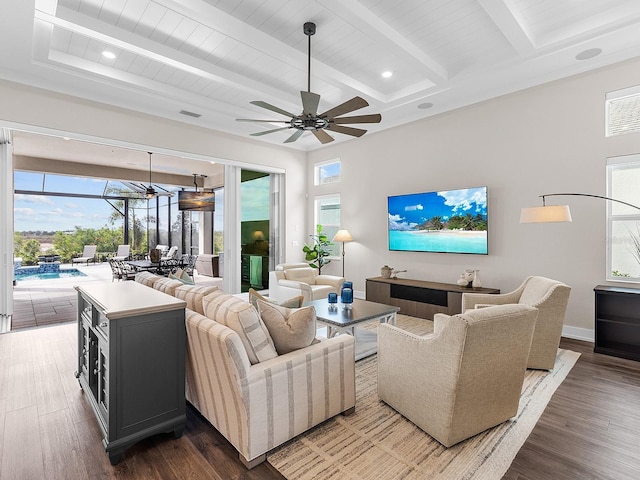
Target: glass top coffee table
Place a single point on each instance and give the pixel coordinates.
(343, 320)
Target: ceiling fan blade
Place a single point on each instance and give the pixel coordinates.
(323, 136)
(355, 103)
(373, 118)
(294, 137)
(257, 134)
(310, 103)
(268, 106)
(355, 132)
(255, 120)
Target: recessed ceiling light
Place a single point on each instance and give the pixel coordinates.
(66, 138)
(108, 54)
(590, 53)
(425, 105)
(387, 74)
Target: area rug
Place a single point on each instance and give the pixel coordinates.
(378, 443)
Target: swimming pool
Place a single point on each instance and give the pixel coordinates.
(68, 273)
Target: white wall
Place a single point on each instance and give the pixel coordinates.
(542, 140)
(22, 105)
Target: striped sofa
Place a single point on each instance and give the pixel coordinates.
(259, 402)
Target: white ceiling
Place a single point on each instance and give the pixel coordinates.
(213, 57)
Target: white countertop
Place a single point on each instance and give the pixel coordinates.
(125, 299)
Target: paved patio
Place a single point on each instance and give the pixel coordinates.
(45, 302)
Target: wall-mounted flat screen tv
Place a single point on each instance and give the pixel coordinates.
(198, 201)
(450, 221)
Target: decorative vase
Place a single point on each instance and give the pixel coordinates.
(333, 300)
(385, 272)
(462, 281)
(476, 283)
(468, 276)
(346, 296)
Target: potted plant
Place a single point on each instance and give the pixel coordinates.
(317, 254)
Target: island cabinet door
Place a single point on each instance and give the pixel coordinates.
(83, 351)
(102, 375)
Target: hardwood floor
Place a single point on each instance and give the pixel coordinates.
(590, 429)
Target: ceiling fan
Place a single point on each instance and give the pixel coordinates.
(309, 120)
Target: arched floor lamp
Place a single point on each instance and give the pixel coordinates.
(557, 213)
(342, 236)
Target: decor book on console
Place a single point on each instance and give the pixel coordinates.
(450, 221)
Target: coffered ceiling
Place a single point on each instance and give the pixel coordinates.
(212, 57)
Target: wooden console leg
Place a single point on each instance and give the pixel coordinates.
(349, 411)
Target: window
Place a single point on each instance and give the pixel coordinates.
(328, 172)
(623, 222)
(623, 111)
(327, 214)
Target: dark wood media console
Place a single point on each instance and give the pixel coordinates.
(419, 298)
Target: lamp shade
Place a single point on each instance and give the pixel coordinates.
(342, 236)
(545, 214)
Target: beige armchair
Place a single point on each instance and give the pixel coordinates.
(464, 378)
(293, 279)
(550, 297)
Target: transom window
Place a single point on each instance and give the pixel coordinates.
(328, 172)
(623, 111)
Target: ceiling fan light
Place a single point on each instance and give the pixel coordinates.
(309, 120)
(150, 192)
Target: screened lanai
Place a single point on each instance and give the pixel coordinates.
(52, 202)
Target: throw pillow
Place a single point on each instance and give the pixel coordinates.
(290, 328)
(193, 295)
(146, 278)
(166, 285)
(294, 302)
(241, 317)
(183, 277)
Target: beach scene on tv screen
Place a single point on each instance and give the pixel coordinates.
(452, 221)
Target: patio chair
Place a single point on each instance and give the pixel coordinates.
(88, 255)
(123, 252)
(127, 272)
(170, 255)
(188, 263)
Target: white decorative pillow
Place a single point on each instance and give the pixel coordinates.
(294, 302)
(290, 328)
(305, 275)
(241, 317)
(193, 295)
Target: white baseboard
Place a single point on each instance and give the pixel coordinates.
(577, 333)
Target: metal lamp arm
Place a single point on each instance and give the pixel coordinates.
(585, 195)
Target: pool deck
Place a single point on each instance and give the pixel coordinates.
(44, 302)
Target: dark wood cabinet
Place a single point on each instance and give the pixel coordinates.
(419, 298)
(617, 317)
(131, 361)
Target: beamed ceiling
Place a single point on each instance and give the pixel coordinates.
(213, 57)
